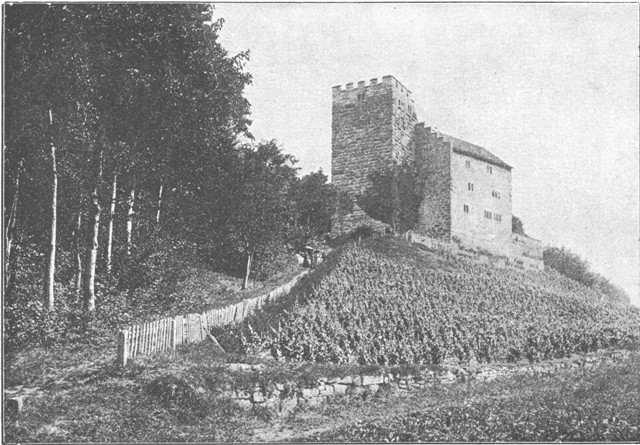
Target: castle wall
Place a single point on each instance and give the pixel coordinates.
(480, 203)
(372, 127)
(528, 249)
(404, 122)
(435, 210)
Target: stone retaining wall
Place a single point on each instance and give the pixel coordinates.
(282, 397)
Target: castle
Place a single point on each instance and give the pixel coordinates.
(467, 198)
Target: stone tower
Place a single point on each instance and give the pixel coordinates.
(372, 128)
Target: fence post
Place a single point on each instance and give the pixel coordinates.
(123, 347)
(174, 330)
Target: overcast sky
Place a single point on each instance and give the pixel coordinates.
(552, 89)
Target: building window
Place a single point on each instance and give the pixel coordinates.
(465, 208)
(487, 214)
(497, 217)
(470, 186)
(490, 169)
(467, 164)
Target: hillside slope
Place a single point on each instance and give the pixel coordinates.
(388, 302)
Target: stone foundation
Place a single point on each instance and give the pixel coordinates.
(282, 398)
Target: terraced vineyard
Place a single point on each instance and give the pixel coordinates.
(370, 307)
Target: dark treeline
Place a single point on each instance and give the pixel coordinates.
(573, 266)
(122, 130)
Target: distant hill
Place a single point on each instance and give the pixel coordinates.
(385, 301)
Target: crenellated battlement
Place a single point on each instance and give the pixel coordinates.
(373, 83)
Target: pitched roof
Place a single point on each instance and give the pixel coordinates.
(474, 151)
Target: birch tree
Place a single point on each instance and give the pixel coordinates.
(50, 262)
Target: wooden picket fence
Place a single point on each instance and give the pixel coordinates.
(167, 333)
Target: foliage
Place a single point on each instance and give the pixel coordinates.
(315, 201)
(568, 264)
(395, 195)
(370, 308)
(362, 232)
(254, 218)
(516, 225)
(573, 266)
(606, 287)
(144, 92)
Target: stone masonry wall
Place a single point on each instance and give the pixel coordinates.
(435, 211)
(372, 128)
(404, 122)
(282, 397)
(490, 192)
(528, 250)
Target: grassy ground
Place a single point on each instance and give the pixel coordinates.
(196, 290)
(64, 372)
(101, 403)
(602, 405)
(200, 289)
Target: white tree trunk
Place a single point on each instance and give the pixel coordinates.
(130, 202)
(10, 230)
(245, 283)
(112, 213)
(159, 205)
(50, 259)
(78, 259)
(92, 251)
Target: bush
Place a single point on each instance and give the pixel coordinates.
(573, 266)
(363, 232)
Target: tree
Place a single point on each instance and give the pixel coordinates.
(573, 266)
(516, 225)
(145, 88)
(315, 203)
(45, 70)
(395, 195)
(50, 264)
(257, 215)
(568, 264)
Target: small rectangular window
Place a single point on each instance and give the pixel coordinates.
(490, 169)
(470, 186)
(467, 164)
(466, 208)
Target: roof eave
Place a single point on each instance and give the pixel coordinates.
(482, 158)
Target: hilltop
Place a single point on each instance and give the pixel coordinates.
(385, 301)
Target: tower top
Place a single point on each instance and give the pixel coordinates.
(373, 83)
